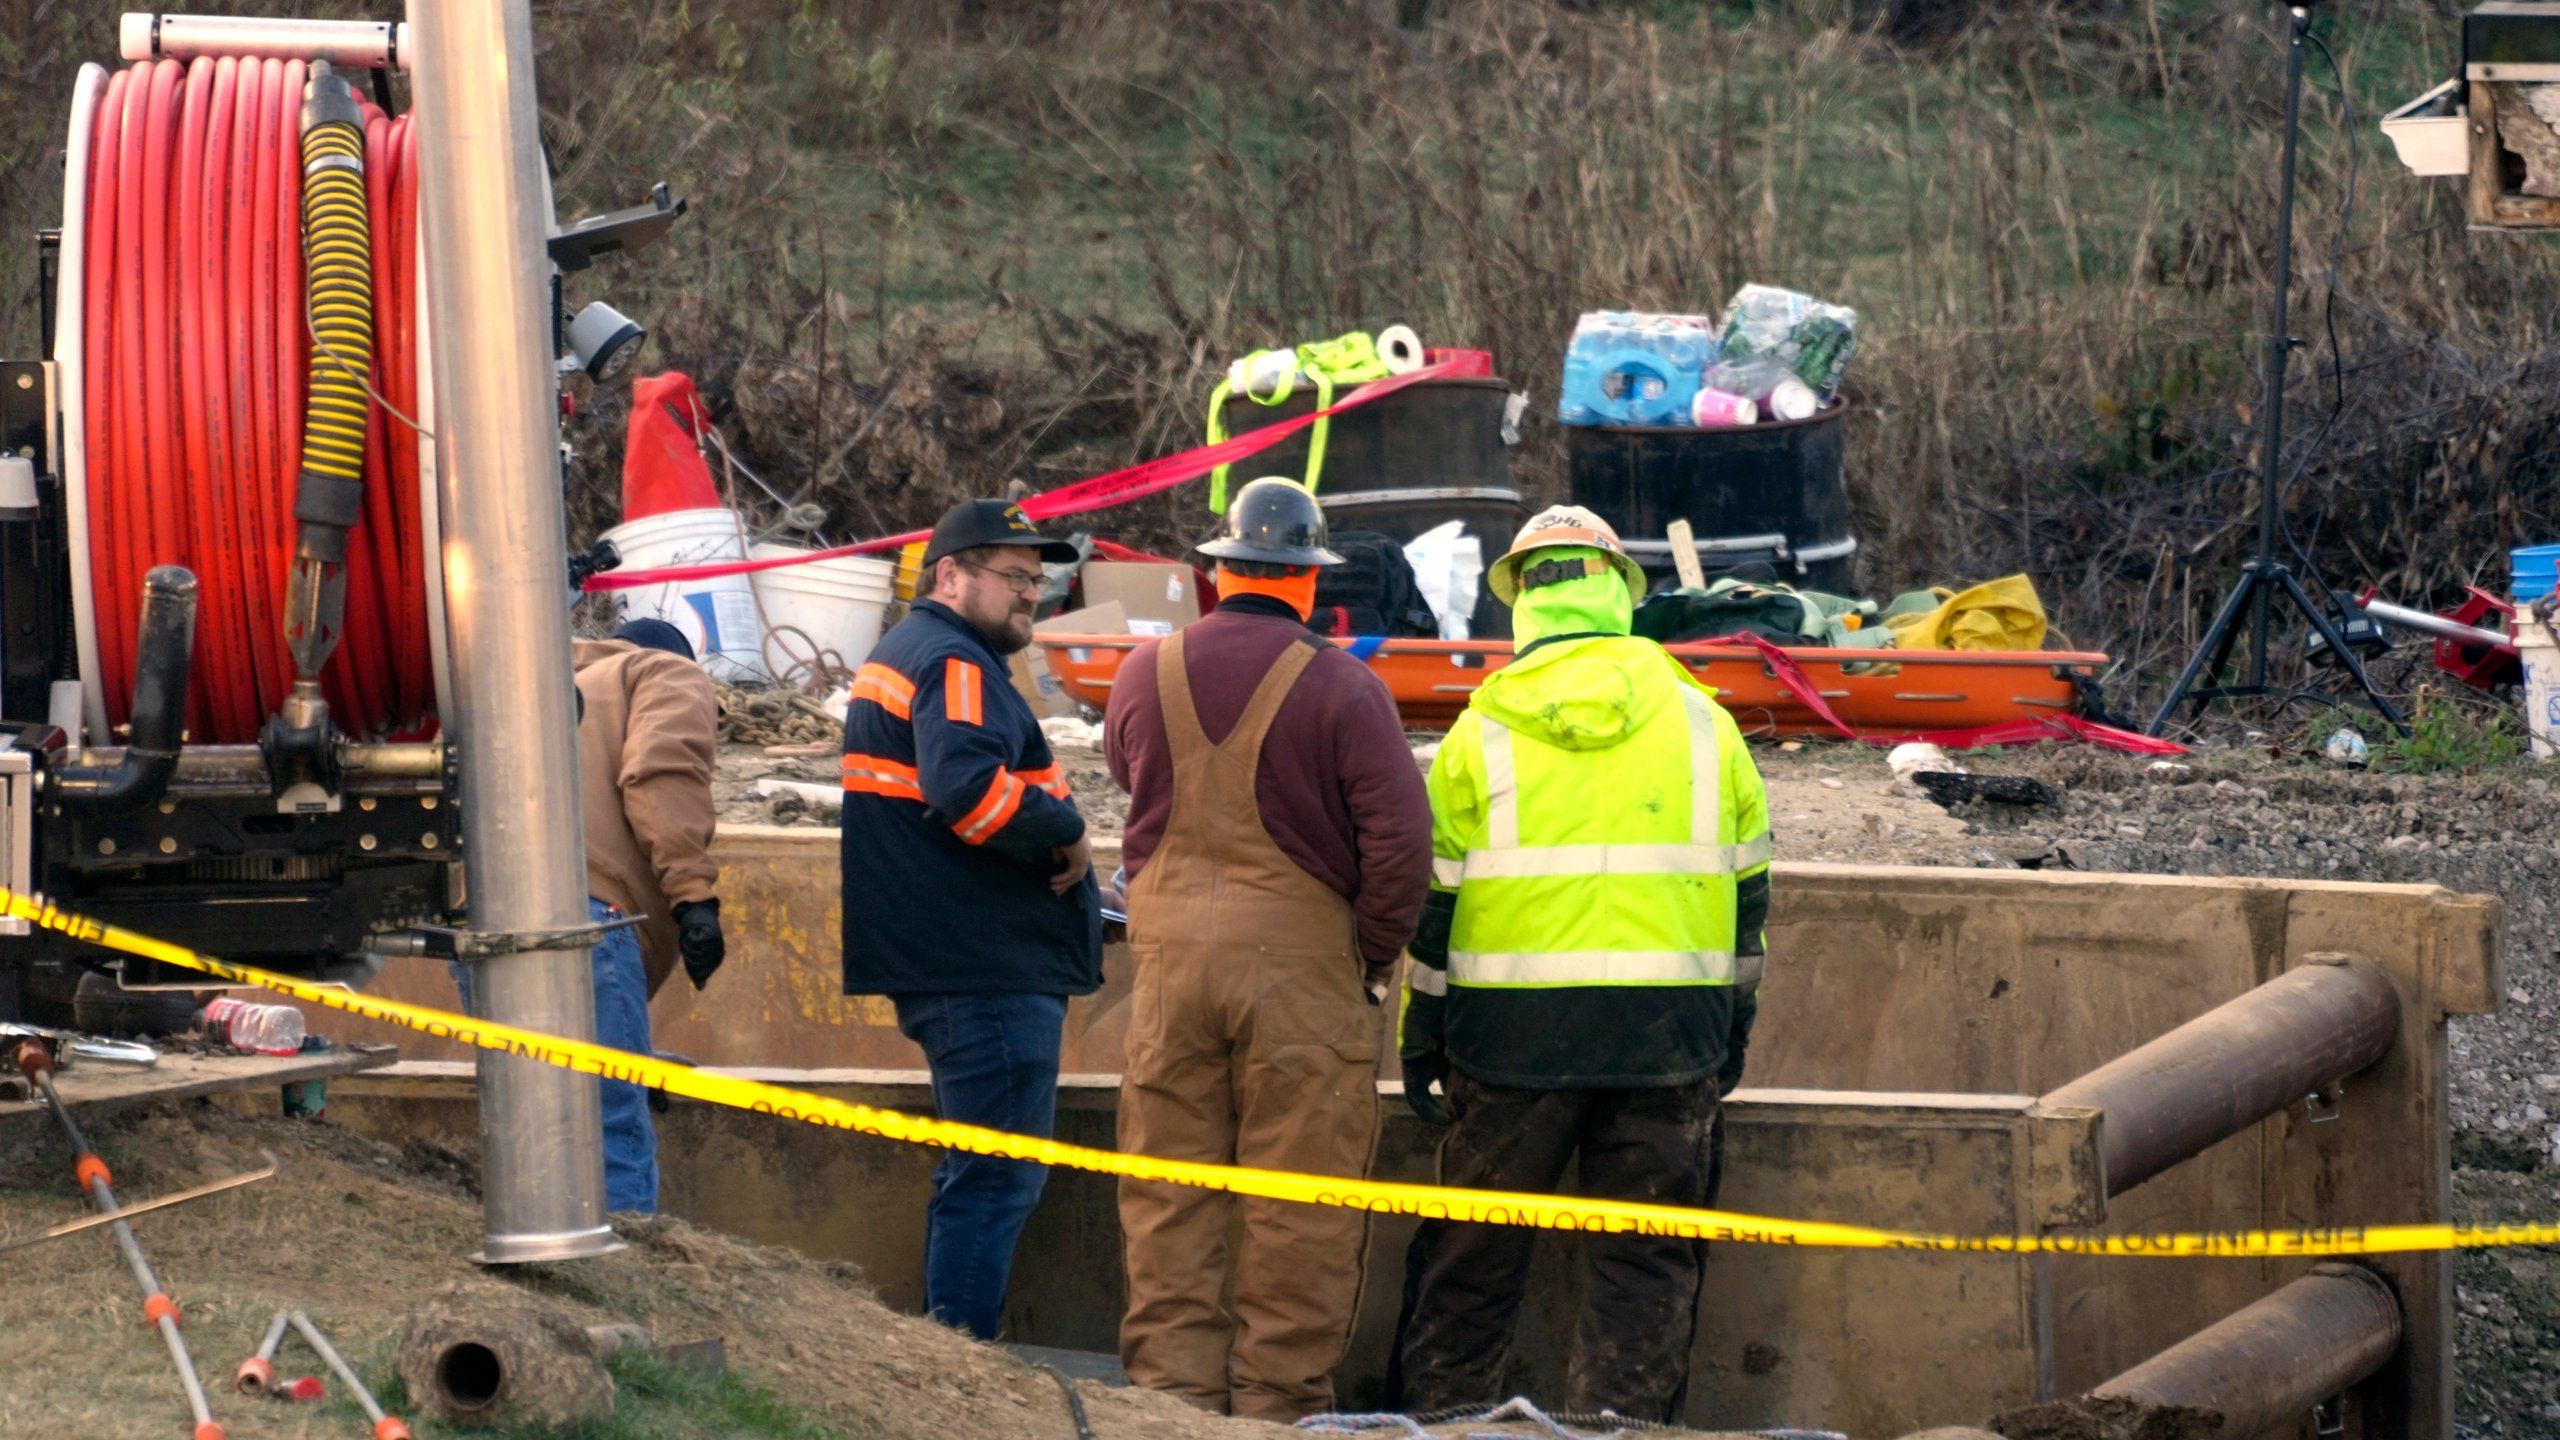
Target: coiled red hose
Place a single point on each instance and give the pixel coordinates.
(197, 354)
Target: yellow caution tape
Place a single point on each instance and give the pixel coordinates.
(1431, 1202)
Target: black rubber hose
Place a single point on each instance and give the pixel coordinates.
(166, 642)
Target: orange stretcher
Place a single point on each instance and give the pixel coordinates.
(1871, 691)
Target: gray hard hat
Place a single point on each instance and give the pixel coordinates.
(1275, 521)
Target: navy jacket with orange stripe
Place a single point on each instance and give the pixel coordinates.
(953, 810)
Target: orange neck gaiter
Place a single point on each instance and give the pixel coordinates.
(1298, 591)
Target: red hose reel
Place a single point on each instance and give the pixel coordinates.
(196, 356)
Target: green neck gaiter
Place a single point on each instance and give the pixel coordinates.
(1593, 604)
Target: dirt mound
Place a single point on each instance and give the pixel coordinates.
(2109, 1417)
(360, 1236)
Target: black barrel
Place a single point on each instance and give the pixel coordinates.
(1413, 461)
(1753, 494)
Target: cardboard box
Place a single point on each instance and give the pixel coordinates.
(1030, 665)
(1158, 599)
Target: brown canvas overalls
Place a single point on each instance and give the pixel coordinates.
(1251, 1042)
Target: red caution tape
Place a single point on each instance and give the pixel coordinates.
(1099, 493)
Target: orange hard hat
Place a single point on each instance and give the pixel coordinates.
(1563, 525)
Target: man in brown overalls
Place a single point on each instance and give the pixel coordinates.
(1280, 842)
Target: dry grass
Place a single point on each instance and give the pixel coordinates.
(360, 1234)
(937, 249)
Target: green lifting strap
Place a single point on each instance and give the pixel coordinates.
(1350, 359)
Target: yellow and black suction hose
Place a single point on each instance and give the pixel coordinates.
(337, 254)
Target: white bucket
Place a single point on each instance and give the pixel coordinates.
(718, 616)
(2541, 656)
(838, 604)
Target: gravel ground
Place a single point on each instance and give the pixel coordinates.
(2218, 812)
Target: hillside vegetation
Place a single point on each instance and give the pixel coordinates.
(937, 247)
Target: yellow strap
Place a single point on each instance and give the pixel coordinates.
(1547, 1212)
(1218, 432)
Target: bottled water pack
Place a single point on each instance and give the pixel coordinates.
(1780, 350)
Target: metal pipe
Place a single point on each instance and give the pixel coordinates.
(210, 772)
(357, 44)
(2265, 1367)
(164, 642)
(2235, 1065)
(32, 1059)
(385, 1427)
(413, 762)
(259, 1371)
(2427, 622)
(506, 550)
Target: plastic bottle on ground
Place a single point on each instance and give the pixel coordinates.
(258, 1029)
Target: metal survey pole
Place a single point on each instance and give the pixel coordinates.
(506, 581)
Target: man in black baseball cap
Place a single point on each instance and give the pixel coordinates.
(969, 897)
(996, 553)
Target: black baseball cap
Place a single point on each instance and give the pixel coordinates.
(973, 523)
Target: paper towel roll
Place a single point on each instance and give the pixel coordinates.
(1793, 400)
(1400, 349)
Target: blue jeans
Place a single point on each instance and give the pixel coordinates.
(995, 1063)
(622, 1021)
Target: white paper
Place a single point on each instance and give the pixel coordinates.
(1448, 567)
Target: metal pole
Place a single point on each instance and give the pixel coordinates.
(37, 1065)
(506, 577)
(146, 35)
(2267, 1366)
(2235, 1065)
(2427, 622)
(259, 1371)
(2279, 349)
(385, 1427)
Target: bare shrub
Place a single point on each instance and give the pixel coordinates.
(940, 250)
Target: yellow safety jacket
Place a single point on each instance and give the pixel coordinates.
(1600, 859)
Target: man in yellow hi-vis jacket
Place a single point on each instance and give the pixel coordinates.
(1585, 979)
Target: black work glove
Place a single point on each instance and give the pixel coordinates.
(698, 940)
(1420, 1070)
(1422, 1044)
(1746, 1010)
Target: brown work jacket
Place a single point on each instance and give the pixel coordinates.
(645, 748)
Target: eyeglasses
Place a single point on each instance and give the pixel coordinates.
(1014, 580)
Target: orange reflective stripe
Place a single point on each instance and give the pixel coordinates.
(962, 704)
(1003, 798)
(885, 688)
(1047, 777)
(876, 775)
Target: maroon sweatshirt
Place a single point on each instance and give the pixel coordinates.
(1337, 785)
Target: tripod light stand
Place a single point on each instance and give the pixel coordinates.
(2266, 576)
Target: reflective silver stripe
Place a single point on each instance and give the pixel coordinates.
(1503, 857)
(1423, 980)
(1748, 970)
(1593, 967)
(1540, 861)
(1501, 788)
(1706, 772)
(1447, 873)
